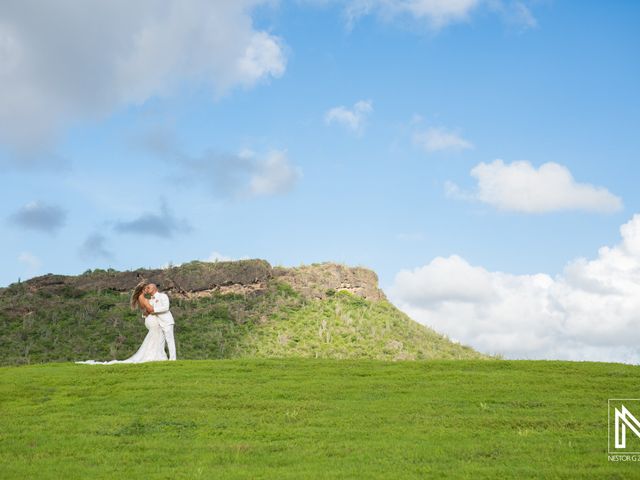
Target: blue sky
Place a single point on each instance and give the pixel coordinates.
(183, 155)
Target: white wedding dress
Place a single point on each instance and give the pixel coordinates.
(151, 350)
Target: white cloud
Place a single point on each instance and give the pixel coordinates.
(523, 16)
(520, 187)
(589, 312)
(437, 139)
(241, 175)
(517, 14)
(219, 257)
(87, 60)
(274, 175)
(263, 56)
(437, 14)
(452, 190)
(244, 175)
(353, 119)
(30, 260)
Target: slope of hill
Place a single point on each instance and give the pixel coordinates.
(223, 310)
(312, 418)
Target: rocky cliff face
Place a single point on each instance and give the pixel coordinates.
(315, 281)
(243, 276)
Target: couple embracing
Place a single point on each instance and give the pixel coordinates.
(158, 320)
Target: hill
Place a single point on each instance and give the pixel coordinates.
(311, 418)
(222, 309)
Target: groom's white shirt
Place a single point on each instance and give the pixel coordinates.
(160, 303)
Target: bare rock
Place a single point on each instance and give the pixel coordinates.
(205, 278)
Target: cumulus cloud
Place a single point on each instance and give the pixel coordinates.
(94, 247)
(86, 61)
(436, 139)
(39, 216)
(520, 187)
(161, 224)
(589, 312)
(353, 119)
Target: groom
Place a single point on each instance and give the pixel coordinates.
(160, 307)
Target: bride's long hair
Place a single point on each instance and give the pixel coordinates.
(136, 294)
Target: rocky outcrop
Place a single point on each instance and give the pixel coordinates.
(321, 279)
(201, 278)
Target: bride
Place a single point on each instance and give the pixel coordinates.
(152, 348)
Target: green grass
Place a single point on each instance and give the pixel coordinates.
(311, 418)
(37, 327)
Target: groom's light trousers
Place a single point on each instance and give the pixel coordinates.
(171, 343)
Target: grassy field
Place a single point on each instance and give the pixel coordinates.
(311, 418)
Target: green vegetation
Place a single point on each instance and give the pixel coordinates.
(40, 325)
(311, 418)
(296, 378)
